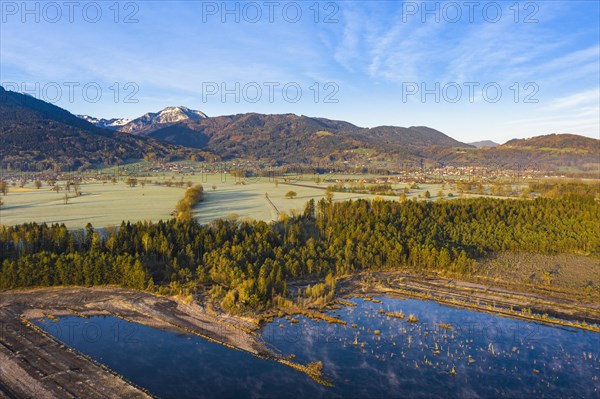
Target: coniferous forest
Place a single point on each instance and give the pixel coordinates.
(247, 265)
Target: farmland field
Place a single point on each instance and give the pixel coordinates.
(106, 203)
(100, 204)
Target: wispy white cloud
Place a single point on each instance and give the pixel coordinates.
(575, 113)
(372, 49)
(401, 50)
(587, 98)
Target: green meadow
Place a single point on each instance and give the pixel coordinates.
(106, 203)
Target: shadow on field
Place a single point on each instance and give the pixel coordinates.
(220, 204)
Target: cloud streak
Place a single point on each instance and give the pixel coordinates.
(369, 53)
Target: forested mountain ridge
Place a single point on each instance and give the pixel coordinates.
(287, 136)
(36, 135)
(557, 141)
(556, 153)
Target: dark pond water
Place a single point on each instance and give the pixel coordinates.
(481, 356)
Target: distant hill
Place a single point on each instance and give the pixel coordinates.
(286, 137)
(568, 154)
(289, 138)
(36, 135)
(303, 138)
(484, 144)
(556, 141)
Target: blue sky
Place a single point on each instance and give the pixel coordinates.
(438, 64)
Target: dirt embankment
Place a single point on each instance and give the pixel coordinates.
(34, 365)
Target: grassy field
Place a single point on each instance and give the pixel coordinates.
(106, 203)
(100, 204)
(569, 271)
(249, 201)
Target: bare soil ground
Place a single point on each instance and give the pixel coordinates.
(34, 365)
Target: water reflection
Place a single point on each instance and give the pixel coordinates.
(449, 352)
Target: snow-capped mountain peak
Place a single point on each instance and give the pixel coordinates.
(177, 114)
(168, 115)
(112, 124)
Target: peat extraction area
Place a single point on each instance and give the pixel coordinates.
(380, 346)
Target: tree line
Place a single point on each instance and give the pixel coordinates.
(193, 195)
(248, 264)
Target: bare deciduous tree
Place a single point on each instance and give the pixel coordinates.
(3, 187)
(131, 182)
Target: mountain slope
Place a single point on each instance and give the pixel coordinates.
(556, 141)
(35, 134)
(287, 137)
(415, 136)
(558, 153)
(38, 135)
(300, 138)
